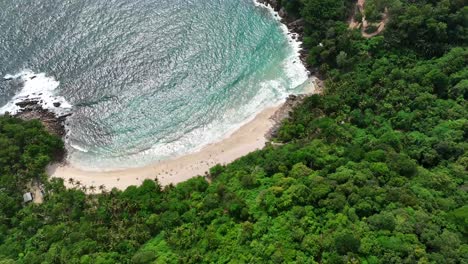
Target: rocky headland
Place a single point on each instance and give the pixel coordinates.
(32, 109)
(55, 124)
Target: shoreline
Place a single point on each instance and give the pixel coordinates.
(248, 138)
(53, 123)
(295, 27)
(252, 136)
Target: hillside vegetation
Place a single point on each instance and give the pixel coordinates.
(372, 171)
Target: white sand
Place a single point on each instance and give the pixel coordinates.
(246, 139)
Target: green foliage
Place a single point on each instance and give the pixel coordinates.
(346, 243)
(429, 28)
(319, 14)
(25, 151)
(372, 171)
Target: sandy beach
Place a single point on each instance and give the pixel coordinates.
(246, 139)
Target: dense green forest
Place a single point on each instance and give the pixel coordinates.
(372, 171)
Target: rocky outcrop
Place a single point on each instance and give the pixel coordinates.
(272, 3)
(284, 113)
(31, 109)
(295, 27)
(54, 124)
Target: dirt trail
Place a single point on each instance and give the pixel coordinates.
(364, 24)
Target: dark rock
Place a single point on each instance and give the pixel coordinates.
(296, 25)
(27, 103)
(282, 12)
(52, 123)
(273, 4)
(283, 113)
(32, 109)
(296, 29)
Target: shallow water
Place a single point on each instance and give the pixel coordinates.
(145, 79)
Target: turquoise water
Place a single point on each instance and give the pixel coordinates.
(145, 79)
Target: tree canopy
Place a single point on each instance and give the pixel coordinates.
(374, 170)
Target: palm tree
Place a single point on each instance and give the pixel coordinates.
(71, 181)
(92, 188)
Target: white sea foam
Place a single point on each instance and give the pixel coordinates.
(293, 66)
(272, 92)
(219, 129)
(78, 148)
(36, 87)
(196, 139)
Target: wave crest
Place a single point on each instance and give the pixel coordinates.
(36, 87)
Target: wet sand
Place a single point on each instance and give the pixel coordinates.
(248, 138)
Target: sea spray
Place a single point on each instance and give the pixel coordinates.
(36, 87)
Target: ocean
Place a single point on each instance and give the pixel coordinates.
(146, 80)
